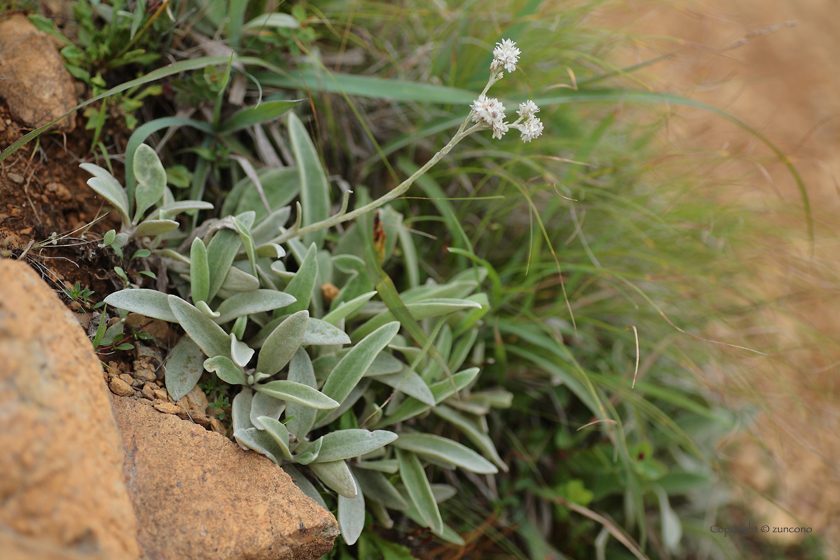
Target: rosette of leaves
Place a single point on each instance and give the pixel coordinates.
(151, 192)
(339, 389)
(309, 390)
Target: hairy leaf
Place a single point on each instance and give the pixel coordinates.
(281, 345)
(183, 368)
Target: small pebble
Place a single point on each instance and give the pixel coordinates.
(15, 178)
(168, 408)
(217, 426)
(161, 394)
(127, 378)
(149, 391)
(120, 387)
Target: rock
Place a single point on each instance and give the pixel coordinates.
(18, 547)
(195, 401)
(144, 369)
(61, 456)
(198, 495)
(169, 408)
(127, 378)
(148, 391)
(36, 86)
(120, 387)
(61, 192)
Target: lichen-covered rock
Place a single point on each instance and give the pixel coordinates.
(198, 495)
(61, 480)
(36, 86)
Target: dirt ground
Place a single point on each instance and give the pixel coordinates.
(773, 64)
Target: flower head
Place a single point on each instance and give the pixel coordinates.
(530, 129)
(528, 109)
(505, 55)
(488, 110)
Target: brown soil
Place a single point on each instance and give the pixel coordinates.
(43, 191)
(774, 65)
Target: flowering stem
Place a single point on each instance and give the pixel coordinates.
(462, 133)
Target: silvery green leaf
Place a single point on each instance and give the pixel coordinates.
(241, 409)
(443, 492)
(462, 349)
(346, 404)
(478, 438)
(453, 289)
(183, 368)
(267, 280)
(297, 393)
(239, 281)
(259, 339)
(248, 303)
(170, 254)
(419, 490)
(411, 384)
(322, 333)
(303, 483)
(302, 417)
(377, 487)
(265, 405)
(309, 453)
(204, 308)
(444, 389)
(383, 364)
(446, 534)
(260, 442)
(436, 447)
(239, 327)
(121, 240)
(499, 398)
(151, 228)
(421, 310)
(278, 432)
(314, 187)
(248, 242)
(325, 272)
(240, 352)
(272, 20)
(282, 343)
(336, 475)
(278, 268)
(260, 376)
(199, 270)
(380, 514)
(346, 309)
(104, 184)
(323, 365)
(175, 208)
(208, 335)
(671, 526)
(151, 179)
(225, 369)
(389, 466)
(269, 228)
(351, 516)
(476, 403)
(352, 367)
(270, 251)
(346, 444)
(151, 303)
(221, 252)
(303, 283)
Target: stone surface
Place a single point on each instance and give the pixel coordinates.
(120, 387)
(61, 480)
(36, 86)
(198, 495)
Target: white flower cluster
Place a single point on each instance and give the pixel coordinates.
(505, 55)
(490, 111)
(533, 126)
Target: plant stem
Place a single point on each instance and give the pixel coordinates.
(395, 193)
